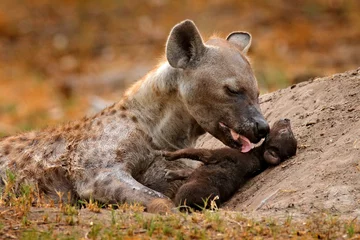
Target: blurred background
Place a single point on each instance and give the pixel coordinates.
(57, 57)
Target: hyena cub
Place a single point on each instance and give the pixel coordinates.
(226, 169)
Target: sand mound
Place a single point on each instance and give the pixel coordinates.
(325, 173)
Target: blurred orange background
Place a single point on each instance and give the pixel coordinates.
(57, 56)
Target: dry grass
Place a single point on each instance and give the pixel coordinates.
(24, 216)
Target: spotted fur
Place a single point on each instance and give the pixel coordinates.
(113, 156)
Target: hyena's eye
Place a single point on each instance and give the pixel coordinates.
(232, 91)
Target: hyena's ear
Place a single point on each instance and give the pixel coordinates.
(241, 39)
(271, 157)
(184, 45)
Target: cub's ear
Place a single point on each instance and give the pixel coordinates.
(271, 157)
(242, 40)
(184, 45)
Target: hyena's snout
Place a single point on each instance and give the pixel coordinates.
(261, 127)
(245, 132)
(258, 126)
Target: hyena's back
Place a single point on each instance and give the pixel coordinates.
(65, 158)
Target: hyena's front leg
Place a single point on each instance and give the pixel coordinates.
(119, 186)
(202, 155)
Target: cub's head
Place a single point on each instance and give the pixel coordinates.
(280, 144)
(217, 84)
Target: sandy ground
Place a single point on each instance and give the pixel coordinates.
(325, 173)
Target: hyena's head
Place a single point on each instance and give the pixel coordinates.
(217, 84)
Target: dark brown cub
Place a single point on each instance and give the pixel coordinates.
(226, 169)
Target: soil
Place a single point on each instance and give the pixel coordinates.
(325, 173)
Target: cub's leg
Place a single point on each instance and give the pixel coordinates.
(197, 195)
(118, 186)
(202, 155)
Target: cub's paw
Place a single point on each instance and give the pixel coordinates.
(168, 155)
(165, 154)
(172, 175)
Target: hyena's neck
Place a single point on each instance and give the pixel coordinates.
(156, 104)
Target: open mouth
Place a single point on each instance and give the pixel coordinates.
(240, 141)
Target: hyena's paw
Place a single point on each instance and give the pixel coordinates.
(160, 205)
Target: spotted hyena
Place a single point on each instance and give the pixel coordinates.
(113, 156)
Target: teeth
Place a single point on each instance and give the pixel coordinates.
(234, 135)
(254, 145)
(238, 137)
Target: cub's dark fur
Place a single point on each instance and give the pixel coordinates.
(226, 169)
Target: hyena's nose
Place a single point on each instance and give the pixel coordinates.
(262, 127)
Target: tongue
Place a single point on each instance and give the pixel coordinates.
(245, 143)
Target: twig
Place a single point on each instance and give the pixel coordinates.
(267, 198)
(8, 235)
(3, 212)
(236, 222)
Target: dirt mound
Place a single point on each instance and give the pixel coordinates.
(325, 173)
